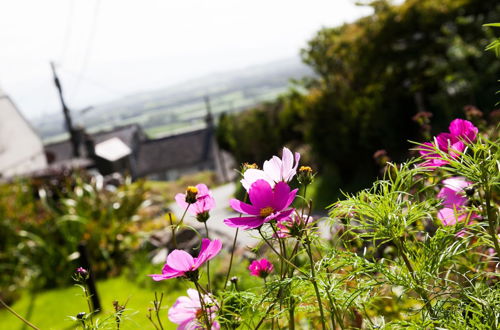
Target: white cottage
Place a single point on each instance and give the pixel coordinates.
(21, 149)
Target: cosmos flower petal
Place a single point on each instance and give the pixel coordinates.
(287, 163)
(456, 183)
(251, 175)
(244, 208)
(464, 130)
(209, 249)
(281, 196)
(180, 260)
(244, 222)
(260, 194)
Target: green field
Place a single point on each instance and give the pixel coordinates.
(52, 309)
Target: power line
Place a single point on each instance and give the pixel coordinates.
(88, 49)
(67, 31)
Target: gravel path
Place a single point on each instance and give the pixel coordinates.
(216, 226)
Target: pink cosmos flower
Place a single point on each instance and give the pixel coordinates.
(453, 143)
(274, 170)
(181, 263)
(454, 202)
(261, 268)
(293, 225)
(267, 204)
(188, 314)
(204, 202)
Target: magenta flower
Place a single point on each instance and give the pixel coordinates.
(454, 202)
(274, 170)
(267, 204)
(453, 143)
(180, 263)
(261, 268)
(204, 202)
(463, 130)
(188, 314)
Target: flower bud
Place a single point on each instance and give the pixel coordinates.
(469, 191)
(305, 175)
(80, 315)
(191, 193)
(203, 216)
(247, 166)
(81, 274)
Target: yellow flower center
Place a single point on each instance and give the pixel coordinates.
(266, 211)
(192, 190)
(305, 169)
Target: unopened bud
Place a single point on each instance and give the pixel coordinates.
(234, 280)
(305, 175)
(469, 191)
(247, 166)
(203, 216)
(191, 193)
(81, 274)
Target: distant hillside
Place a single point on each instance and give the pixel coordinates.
(181, 107)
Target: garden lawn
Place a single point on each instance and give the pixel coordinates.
(52, 309)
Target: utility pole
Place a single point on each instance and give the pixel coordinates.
(73, 134)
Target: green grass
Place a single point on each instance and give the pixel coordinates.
(52, 309)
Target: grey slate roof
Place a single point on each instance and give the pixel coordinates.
(63, 151)
(176, 151)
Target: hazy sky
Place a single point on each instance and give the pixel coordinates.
(105, 49)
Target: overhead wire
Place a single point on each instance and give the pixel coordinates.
(88, 49)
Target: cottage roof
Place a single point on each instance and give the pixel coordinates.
(178, 151)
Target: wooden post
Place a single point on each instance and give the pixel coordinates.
(85, 263)
(73, 134)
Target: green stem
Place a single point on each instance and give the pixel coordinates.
(315, 284)
(420, 291)
(208, 261)
(17, 315)
(203, 306)
(174, 239)
(231, 259)
(232, 250)
(279, 255)
(492, 221)
(265, 315)
(157, 309)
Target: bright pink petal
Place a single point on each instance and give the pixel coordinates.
(447, 216)
(444, 141)
(244, 222)
(181, 200)
(451, 198)
(180, 260)
(204, 204)
(281, 196)
(464, 130)
(279, 215)
(291, 197)
(209, 249)
(202, 190)
(261, 194)
(244, 208)
(456, 149)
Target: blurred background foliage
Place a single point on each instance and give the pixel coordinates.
(375, 80)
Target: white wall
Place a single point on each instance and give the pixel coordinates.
(21, 150)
